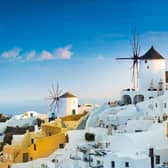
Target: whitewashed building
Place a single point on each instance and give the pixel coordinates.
(68, 104)
(151, 81)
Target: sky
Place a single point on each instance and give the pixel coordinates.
(74, 43)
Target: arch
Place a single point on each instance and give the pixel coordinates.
(138, 98)
(127, 100)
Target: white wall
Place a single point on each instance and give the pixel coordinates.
(67, 105)
(155, 72)
(120, 161)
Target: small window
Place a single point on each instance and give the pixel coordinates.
(73, 111)
(61, 146)
(53, 160)
(157, 159)
(35, 147)
(112, 164)
(147, 67)
(98, 162)
(126, 164)
(156, 105)
(165, 105)
(32, 141)
(146, 61)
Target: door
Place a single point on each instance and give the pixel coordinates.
(73, 111)
(25, 157)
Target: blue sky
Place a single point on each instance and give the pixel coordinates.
(75, 43)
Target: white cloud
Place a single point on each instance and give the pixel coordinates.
(58, 53)
(63, 53)
(12, 54)
(45, 55)
(31, 55)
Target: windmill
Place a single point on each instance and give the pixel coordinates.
(54, 96)
(135, 58)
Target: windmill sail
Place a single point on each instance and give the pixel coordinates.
(135, 57)
(54, 97)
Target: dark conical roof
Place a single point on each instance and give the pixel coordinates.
(67, 95)
(152, 54)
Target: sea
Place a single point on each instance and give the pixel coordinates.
(41, 106)
(18, 107)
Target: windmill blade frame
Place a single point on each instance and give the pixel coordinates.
(135, 57)
(54, 96)
(125, 58)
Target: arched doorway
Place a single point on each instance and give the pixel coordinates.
(127, 100)
(138, 98)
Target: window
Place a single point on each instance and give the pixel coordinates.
(98, 162)
(73, 112)
(126, 164)
(147, 67)
(61, 146)
(156, 105)
(146, 61)
(165, 105)
(35, 147)
(157, 159)
(112, 164)
(166, 76)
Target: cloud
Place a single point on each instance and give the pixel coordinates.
(58, 53)
(31, 55)
(12, 54)
(45, 55)
(63, 53)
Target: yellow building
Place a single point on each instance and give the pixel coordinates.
(41, 144)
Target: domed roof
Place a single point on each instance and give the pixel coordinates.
(152, 54)
(67, 95)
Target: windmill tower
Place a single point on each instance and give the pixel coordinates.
(148, 75)
(152, 71)
(69, 105)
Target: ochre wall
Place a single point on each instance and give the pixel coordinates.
(50, 130)
(5, 165)
(44, 147)
(72, 117)
(45, 144)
